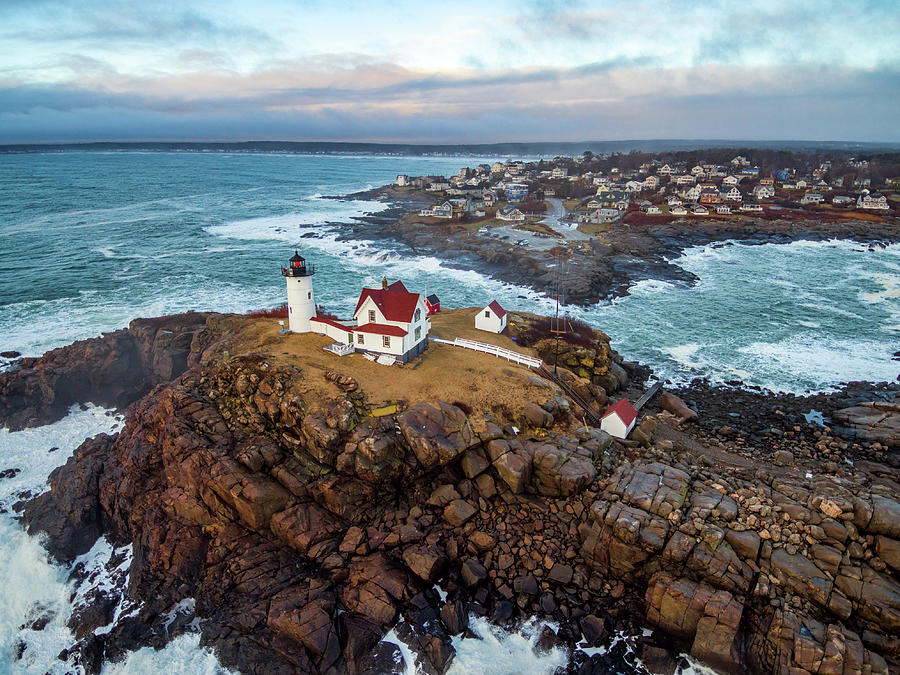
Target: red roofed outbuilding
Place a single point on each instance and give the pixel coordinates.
(491, 318)
(619, 419)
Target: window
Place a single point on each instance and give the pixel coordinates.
(371, 316)
(418, 314)
(487, 315)
(309, 296)
(418, 333)
(386, 341)
(359, 338)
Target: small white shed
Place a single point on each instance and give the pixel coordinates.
(619, 419)
(491, 318)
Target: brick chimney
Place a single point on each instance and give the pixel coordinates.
(384, 283)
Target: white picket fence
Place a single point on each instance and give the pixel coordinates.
(502, 352)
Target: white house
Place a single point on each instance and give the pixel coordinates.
(723, 210)
(699, 210)
(763, 192)
(751, 206)
(402, 180)
(388, 321)
(872, 201)
(732, 194)
(491, 318)
(729, 181)
(677, 210)
(619, 419)
(559, 172)
(812, 198)
(510, 213)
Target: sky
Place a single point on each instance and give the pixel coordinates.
(452, 72)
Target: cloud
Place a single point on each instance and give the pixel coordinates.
(381, 101)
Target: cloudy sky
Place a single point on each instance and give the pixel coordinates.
(458, 71)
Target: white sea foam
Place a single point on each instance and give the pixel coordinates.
(35, 587)
(817, 362)
(181, 656)
(500, 652)
(315, 211)
(685, 355)
(31, 584)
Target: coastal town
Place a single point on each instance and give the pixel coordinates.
(599, 191)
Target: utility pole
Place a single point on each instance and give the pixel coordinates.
(557, 331)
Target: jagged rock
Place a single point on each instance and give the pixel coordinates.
(436, 436)
(443, 495)
(385, 659)
(306, 615)
(537, 416)
(426, 562)
(669, 401)
(745, 543)
(69, 513)
(560, 573)
(514, 469)
(112, 371)
(873, 421)
(474, 462)
(700, 614)
(472, 572)
(561, 472)
(458, 512)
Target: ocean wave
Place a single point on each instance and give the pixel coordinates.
(291, 226)
(32, 585)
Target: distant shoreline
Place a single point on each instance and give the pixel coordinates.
(518, 149)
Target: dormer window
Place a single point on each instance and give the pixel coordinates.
(371, 316)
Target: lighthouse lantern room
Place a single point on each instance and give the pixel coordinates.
(300, 298)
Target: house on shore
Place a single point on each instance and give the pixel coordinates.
(388, 321)
(491, 318)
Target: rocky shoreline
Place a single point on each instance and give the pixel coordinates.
(606, 266)
(296, 528)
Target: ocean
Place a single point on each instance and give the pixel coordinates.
(91, 240)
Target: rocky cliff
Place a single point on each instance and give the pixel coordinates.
(304, 521)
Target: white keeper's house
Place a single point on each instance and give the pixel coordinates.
(388, 321)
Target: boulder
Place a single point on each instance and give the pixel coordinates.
(514, 469)
(536, 416)
(676, 406)
(474, 462)
(436, 435)
(559, 472)
(426, 562)
(472, 572)
(458, 512)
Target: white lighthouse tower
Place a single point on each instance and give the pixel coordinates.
(300, 298)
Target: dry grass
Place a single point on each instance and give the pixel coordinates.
(482, 382)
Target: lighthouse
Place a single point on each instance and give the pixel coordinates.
(300, 299)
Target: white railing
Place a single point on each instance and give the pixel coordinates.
(503, 353)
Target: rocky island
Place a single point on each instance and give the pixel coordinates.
(301, 505)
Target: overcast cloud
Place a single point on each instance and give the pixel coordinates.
(474, 72)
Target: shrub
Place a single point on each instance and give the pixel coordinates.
(280, 312)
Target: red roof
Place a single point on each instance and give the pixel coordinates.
(381, 329)
(332, 323)
(395, 302)
(497, 309)
(624, 410)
